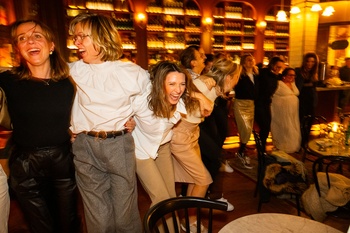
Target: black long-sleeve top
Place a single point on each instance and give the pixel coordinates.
(246, 89)
(267, 86)
(40, 113)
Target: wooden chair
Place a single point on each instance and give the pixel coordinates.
(170, 208)
(305, 133)
(332, 164)
(264, 160)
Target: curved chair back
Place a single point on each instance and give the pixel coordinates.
(158, 213)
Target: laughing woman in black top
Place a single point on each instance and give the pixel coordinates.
(40, 95)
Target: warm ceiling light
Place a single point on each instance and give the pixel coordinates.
(295, 10)
(328, 11)
(281, 15)
(316, 7)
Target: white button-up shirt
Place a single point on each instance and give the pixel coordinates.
(107, 94)
(151, 131)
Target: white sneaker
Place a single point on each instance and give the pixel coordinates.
(225, 167)
(245, 160)
(229, 205)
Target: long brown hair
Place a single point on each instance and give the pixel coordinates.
(313, 73)
(59, 67)
(243, 61)
(156, 99)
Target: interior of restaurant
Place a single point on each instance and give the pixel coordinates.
(154, 30)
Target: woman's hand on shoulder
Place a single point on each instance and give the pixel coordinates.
(209, 82)
(206, 105)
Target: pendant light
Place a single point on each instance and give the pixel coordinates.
(281, 14)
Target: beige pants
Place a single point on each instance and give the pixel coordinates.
(157, 175)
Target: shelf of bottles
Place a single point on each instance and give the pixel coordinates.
(172, 24)
(233, 27)
(276, 33)
(117, 9)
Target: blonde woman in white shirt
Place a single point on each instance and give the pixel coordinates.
(107, 95)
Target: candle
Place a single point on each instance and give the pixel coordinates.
(335, 127)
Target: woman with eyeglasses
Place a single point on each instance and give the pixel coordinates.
(107, 157)
(40, 94)
(285, 126)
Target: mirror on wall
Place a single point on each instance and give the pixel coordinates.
(338, 49)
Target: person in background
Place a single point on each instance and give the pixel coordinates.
(189, 167)
(344, 75)
(268, 78)
(4, 202)
(220, 111)
(306, 80)
(39, 95)
(285, 114)
(208, 63)
(108, 94)
(243, 106)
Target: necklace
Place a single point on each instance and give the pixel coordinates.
(45, 81)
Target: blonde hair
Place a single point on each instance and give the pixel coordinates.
(243, 61)
(221, 68)
(104, 34)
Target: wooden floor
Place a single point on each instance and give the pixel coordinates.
(238, 190)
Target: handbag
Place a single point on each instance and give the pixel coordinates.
(5, 119)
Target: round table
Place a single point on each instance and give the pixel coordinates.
(327, 148)
(275, 223)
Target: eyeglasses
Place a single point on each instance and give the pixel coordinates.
(79, 38)
(35, 36)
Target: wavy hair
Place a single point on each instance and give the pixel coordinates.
(221, 68)
(104, 34)
(243, 61)
(157, 101)
(59, 67)
(313, 73)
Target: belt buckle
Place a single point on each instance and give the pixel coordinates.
(102, 134)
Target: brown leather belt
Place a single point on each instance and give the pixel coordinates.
(105, 134)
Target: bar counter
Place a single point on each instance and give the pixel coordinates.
(328, 101)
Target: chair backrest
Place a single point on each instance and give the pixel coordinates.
(172, 207)
(305, 127)
(329, 164)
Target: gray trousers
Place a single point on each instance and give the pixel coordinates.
(106, 178)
